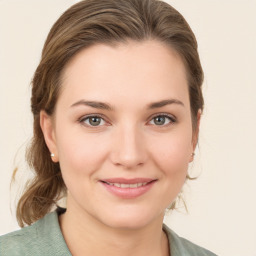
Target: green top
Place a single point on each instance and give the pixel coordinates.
(44, 237)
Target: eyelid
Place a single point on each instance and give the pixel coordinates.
(83, 118)
(172, 118)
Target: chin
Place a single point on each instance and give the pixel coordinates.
(127, 223)
(131, 218)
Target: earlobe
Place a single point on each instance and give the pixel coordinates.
(47, 126)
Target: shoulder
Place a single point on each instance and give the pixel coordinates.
(42, 238)
(182, 247)
(16, 242)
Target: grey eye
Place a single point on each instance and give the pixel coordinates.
(159, 120)
(93, 121)
(162, 120)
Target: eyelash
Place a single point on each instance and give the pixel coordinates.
(171, 118)
(84, 118)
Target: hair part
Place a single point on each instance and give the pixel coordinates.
(87, 23)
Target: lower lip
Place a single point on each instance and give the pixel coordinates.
(128, 193)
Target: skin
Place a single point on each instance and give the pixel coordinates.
(128, 141)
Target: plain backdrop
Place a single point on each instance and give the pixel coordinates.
(221, 202)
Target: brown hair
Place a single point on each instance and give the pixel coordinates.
(84, 24)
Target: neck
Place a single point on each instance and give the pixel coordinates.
(85, 235)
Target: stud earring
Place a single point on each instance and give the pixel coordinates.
(193, 154)
(52, 155)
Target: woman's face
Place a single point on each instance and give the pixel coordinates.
(122, 132)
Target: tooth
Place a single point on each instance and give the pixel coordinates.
(134, 185)
(125, 185)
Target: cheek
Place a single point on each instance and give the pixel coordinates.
(171, 156)
(80, 154)
(172, 153)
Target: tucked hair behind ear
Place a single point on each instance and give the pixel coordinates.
(84, 24)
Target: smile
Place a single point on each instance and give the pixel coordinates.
(122, 185)
(128, 188)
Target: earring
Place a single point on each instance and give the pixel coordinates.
(52, 155)
(193, 154)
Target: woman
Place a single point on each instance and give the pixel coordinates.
(116, 101)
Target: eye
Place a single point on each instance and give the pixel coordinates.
(161, 120)
(93, 121)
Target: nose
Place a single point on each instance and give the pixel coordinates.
(128, 148)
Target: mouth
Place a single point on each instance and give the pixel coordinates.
(127, 185)
(128, 188)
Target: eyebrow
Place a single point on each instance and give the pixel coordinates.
(106, 106)
(163, 103)
(93, 104)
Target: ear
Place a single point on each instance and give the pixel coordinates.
(196, 133)
(47, 126)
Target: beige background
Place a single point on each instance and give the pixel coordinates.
(221, 203)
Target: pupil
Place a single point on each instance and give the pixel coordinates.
(160, 120)
(94, 121)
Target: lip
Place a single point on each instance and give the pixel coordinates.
(128, 192)
(128, 181)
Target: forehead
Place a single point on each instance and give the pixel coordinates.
(148, 70)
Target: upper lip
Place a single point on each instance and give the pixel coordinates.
(128, 181)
